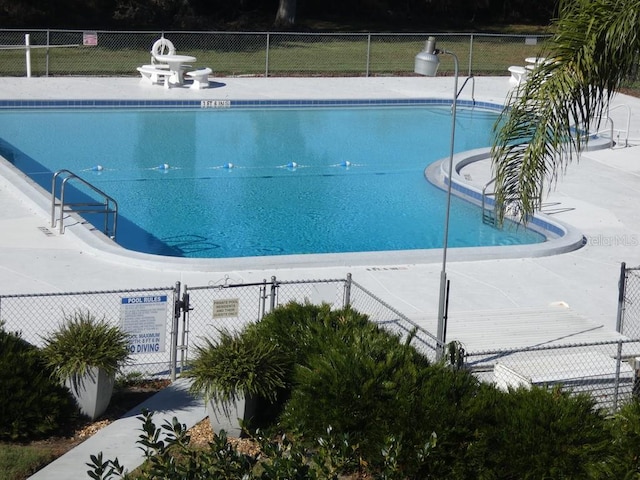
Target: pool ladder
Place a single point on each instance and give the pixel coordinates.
(108, 206)
(488, 212)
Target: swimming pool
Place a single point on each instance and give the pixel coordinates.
(238, 182)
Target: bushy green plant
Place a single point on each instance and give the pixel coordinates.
(295, 329)
(235, 365)
(361, 380)
(32, 404)
(624, 463)
(540, 433)
(81, 342)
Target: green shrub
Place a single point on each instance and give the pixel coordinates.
(540, 433)
(625, 435)
(32, 403)
(296, 331)
(363, 381)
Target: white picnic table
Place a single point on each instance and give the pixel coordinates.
(177, 65)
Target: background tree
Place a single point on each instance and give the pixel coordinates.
(373, 15)
(286, 16)
(593, 50)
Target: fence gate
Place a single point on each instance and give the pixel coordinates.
(208, 309)
(628, 322)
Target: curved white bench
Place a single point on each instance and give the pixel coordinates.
(518, 74)
(155, 74)
(200, 77)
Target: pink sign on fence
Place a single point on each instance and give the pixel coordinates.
(90, 39)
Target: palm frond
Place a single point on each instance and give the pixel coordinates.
(547, 119)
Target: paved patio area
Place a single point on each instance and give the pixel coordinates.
(598, 196)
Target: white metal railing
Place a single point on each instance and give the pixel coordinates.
(610, 128)
(108, 206)
(27, 47)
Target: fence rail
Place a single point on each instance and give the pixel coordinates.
(118, 53)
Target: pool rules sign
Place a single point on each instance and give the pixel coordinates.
(144, 319)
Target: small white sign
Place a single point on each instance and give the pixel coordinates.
(226, 308)
(144, 319)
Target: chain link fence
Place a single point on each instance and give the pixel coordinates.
(36, 316)
(607, 371)
(118, 53)
(230, 307)
(629, 301)
(165, 323)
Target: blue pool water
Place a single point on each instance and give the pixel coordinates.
(235, 182)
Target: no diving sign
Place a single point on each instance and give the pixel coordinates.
(144, 319)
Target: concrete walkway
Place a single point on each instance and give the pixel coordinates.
(118, 439)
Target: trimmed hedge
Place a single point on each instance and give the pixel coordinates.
(32, 403)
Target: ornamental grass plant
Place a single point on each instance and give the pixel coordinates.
(82, 342)
(236, 366)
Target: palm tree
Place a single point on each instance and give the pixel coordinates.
(595, 46)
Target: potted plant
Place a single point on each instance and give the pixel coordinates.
(233, 373)
(85, 354)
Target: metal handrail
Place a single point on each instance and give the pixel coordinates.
(487, 217)
(473, 88)
(73, 206)
(610, 130)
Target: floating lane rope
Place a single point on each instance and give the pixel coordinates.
(225, 166)
(289, 166)
(95, 168)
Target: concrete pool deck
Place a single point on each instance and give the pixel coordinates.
(598, 197)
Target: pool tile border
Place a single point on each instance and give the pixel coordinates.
(225, 103)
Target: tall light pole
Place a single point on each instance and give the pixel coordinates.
(426, 63)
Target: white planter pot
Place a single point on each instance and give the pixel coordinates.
(227, 419)
(92, 391)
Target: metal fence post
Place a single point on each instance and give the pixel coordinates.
(616, 388)
(27, 43)
(347, 291)
(186, 307)
(274, 287)
(46, 72)
(470, 54)
(266, 61)
(368, 54)
(622, 283)
(173, 356)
